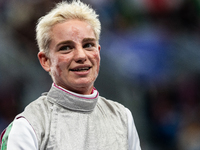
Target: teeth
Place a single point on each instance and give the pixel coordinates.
(80, 69)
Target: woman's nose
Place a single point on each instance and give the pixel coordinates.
(80, 55)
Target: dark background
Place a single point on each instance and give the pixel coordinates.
(150, 62)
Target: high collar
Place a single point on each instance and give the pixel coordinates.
(71, 101)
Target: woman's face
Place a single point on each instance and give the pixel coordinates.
(74, 56)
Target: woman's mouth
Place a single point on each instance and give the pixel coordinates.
(81, 69)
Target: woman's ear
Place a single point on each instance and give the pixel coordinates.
(99, 48)
(44, 61)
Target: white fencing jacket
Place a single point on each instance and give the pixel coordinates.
(63, 120)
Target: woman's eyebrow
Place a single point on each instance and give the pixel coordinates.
(64, 42)
(89, 40)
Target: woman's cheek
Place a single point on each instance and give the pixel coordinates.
(96, 55)
(97, 61)
(59, 65)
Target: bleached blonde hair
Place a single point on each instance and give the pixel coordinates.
(62, 12)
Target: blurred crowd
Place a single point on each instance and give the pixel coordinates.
(150, 62)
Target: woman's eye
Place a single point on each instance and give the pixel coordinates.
(65, 48)
(88, 45)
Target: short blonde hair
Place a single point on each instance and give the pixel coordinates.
(62, 12)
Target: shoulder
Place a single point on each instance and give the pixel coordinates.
(38, 107)
(111, 104)
(38, 115)
(39, 102)
(37, 112)
(113, 108)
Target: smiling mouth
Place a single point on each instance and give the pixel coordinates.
(81, 69)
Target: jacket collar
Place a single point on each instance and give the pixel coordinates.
(70, 100)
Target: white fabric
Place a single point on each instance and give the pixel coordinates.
(133, 139)
(94, 94)
(22, 136)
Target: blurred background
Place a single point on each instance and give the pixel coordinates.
(150, 62)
